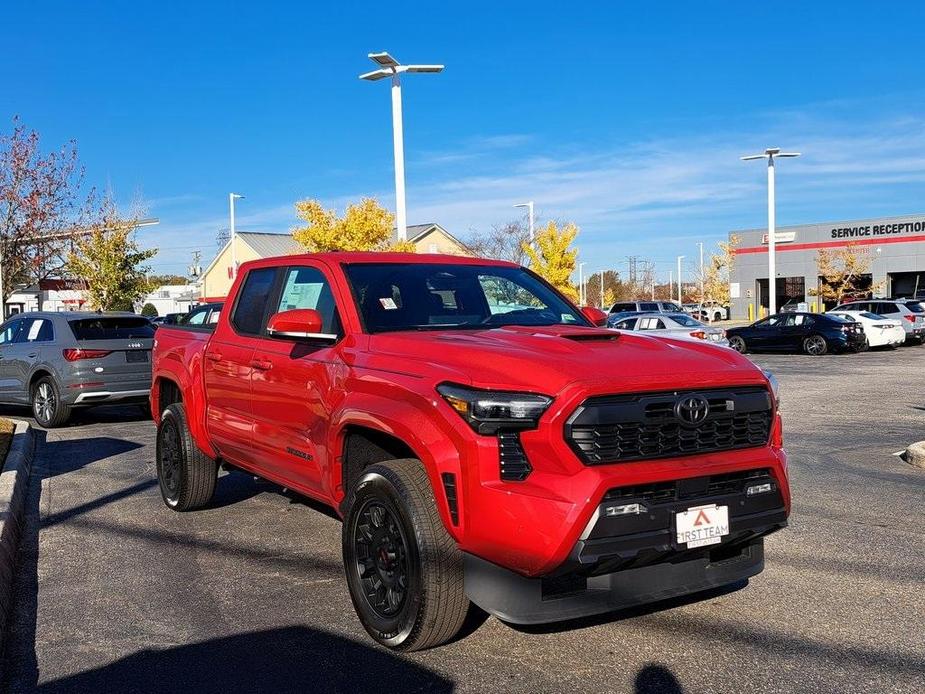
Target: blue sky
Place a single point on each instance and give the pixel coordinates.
(626, 118)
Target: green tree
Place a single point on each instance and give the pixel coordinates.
(110, 261)
(149, 310)
(554, 258)
(365, 226)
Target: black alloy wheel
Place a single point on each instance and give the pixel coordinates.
(382, 558)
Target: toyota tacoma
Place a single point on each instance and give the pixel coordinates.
(482, 438)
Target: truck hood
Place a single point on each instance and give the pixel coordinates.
(549, 358)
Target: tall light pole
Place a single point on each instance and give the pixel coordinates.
(670, 284)
(234, 249)
(389, 67)
(581, 283)
(702, 298)
(771, 153)
(680, 258)
(529, 206)
(602, 290)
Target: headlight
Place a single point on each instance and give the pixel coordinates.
(775, 386)
(487, 411)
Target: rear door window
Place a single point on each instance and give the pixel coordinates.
(617, 308)
(111, 328)
(36, 330)
(649, 307)
(626, 324)
(253, 300)
(883, 308)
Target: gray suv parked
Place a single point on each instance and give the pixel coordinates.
(57, 361)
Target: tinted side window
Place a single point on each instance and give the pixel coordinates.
(252, 301)
(616, 308)
(36, 330)
(885, 308)
(9, 332)
(626, 324)
(648, 307)
(197, 317)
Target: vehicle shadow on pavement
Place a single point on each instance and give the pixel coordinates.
(656, 679)
(291, 659)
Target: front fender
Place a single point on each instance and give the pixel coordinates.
(418, 424)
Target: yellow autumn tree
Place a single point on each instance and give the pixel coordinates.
(554, 258)
(840, 273)
(718, 272)
(365, 226)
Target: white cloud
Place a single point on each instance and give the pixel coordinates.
(654, 198)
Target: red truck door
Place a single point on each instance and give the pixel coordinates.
(295, 385)
(228, 367)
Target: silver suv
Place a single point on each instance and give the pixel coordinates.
(909, 313)
(57, 361)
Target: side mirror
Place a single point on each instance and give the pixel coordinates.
(595, 315)
(299, 323)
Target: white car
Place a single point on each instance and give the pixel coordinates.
(880, 331)
(673, 325)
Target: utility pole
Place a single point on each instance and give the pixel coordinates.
(680, 298)
(602, 290)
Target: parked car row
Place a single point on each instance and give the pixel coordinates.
(55, 362)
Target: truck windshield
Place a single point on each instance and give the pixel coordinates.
(437, 296)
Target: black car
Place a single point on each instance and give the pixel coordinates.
(813, 333)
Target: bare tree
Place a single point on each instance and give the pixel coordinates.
(40, 200)
(502, 242)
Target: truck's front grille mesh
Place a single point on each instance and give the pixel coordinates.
(622, 428)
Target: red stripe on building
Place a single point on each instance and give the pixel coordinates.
(831, 244)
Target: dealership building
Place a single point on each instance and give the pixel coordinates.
(896, 248)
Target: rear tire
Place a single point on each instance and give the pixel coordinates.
(815, 345)
(47, 407)
(738, 344)
(185, 474)
(404, 571)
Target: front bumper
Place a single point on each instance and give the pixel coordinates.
(520, 600)
(626, 559)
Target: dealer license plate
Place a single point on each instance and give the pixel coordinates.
(702, 525)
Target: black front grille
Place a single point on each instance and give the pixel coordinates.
(620, 428)
(690, 488)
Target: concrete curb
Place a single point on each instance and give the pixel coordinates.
(14, 487)
(915, 454)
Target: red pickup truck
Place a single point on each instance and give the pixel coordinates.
(482, 438)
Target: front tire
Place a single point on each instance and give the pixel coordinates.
(47, 407)
(185, 474)
(815, 345)
(404, 571)
(738, 344)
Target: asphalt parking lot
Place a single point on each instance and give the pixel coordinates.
(116, 593)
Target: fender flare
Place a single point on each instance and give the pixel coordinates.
(437, 447)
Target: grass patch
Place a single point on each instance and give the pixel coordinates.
(6, 438)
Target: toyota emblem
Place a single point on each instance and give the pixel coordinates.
(692, 409)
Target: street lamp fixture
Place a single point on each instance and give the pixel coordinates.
(389, 67)
(771, 153)
(529, 206)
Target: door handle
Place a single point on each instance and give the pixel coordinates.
(32, 355)
(262, 364)
(214, 356)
